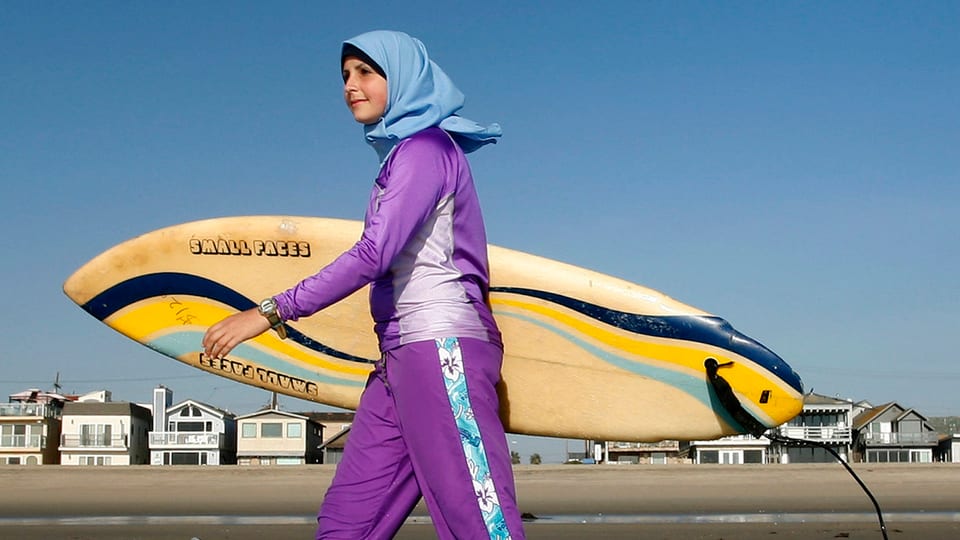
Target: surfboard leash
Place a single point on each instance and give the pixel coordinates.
(753, 426)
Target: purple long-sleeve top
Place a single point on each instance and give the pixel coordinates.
(423, 251)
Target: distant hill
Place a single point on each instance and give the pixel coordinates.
(945, 425)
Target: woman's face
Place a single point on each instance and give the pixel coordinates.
(364, 90)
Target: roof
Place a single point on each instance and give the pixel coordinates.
(330, 417)
(275, 412)
(869, 415)
(217, 411)
(113, 408)
(911, 412)
(35, 395)
(337, 441)
(819, 399)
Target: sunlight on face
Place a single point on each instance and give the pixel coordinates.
(364, 90)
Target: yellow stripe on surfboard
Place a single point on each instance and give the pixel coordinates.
(147, 320)
(682, 359)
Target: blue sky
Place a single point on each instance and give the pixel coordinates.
(791, 167)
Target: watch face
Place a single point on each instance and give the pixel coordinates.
(268, 306)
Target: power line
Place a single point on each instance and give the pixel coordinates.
(130, 379)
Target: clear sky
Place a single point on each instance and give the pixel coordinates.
(792, 167)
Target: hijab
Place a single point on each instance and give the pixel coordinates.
(419, 94)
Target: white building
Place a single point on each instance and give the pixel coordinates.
(826, 420)
(191, 432)
(98, 433)
(823, 419)
(731, 450)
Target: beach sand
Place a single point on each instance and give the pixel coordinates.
(749, 502)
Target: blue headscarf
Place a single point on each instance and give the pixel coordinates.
(419, 95)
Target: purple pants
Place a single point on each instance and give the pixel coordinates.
(427, 426)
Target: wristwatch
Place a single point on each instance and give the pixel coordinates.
(268, 308)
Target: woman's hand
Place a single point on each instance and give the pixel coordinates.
(222, 337)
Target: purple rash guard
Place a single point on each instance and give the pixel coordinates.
(423, 250)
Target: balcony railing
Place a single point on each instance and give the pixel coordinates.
(820, 433)
(22, 441)
(29, 409)
(93, 441)
(185, 438)
(925, 438)
(628, 446)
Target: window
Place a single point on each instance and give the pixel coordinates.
(709, 456)
(294, 430)
(810, 455)
(195, 427)
(186, 458)
(95, 434)
(20, 435)
(36, 435)
(94, 460)
(731, 457)
(8, 436)
(271, 430)
(248, 430)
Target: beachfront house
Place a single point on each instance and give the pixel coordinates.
(823, 419)
(731, 450)
(30, 428)
(892, 433)
(104, 433)
(275, 437)
(336, 431)
(826, 420)
(948, 449)
(191, 432)
(656, 453)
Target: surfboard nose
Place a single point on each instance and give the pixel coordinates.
(771, 361)
(770, 406)
(754, 385)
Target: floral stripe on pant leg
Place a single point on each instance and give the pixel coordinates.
(451, 362)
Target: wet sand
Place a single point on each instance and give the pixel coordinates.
(605, 501)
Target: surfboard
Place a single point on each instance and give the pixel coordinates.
(586, 355)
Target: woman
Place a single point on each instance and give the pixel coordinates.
(427, 424)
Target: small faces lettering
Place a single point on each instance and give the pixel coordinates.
(249, 248)
(237, 369)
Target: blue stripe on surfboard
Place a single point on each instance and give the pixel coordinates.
(185, 342)
(708, 330)
(696, 387)
(160, 284)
